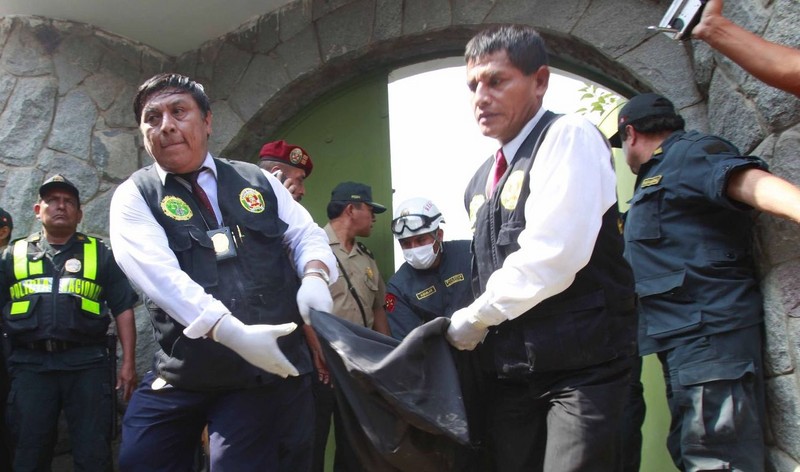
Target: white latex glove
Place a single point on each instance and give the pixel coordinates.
(465, 331)
(313, 293)
(257, 344)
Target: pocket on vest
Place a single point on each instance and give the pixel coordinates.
(570, 335)
(195, 253)
(19, 316)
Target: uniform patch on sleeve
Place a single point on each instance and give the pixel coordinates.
(389, 302)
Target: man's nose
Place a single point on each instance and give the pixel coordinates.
(481, 96)
(167, 123)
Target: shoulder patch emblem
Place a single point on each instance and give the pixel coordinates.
(369, 273)
(509, 196)
(389, 302)
(426, 293)
(252, 200)
(453, 280)
(650, 181)
(176, 208)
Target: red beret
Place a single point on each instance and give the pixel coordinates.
(281, 151)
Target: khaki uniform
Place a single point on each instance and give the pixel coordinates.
(363, 274)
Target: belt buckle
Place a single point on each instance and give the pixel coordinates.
(49, 345)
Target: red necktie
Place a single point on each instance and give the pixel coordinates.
(201, 196)
(500, 166)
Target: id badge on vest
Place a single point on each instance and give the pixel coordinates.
(222, 239)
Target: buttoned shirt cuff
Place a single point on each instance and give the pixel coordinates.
(202, 325)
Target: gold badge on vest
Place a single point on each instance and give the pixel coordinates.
(509, 197)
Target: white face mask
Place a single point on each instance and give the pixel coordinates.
(421, 257)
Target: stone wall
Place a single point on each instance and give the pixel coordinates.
(66, 90)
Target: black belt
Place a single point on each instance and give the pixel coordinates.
(54, 345)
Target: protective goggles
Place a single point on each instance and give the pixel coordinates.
(412, 222)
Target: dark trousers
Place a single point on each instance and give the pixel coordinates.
(35, 403)
(345, 459)
(559, 421)
(715, 393)
(268, 429)
(5, 385)
(632, 420)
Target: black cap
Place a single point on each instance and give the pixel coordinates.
(355, 192)
(59, 181)
(5, 219)
(641, 106)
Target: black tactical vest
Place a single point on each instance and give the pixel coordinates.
(591, 322)
(259, 285)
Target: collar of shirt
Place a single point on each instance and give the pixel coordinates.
(207, 162)
(337, 245)
(510, 148)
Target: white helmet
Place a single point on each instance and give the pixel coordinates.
(415, 216)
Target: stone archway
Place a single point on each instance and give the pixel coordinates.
(267, 71)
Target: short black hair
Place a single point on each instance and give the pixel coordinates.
(655, 124)
(336, 207)
(523, 44)
(163, 81)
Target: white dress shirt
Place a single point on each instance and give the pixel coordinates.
(142, 250)
(572, 185)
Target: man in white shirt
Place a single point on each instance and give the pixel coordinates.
(556, 305)
(204, 239)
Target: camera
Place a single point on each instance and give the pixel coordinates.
(680, 19)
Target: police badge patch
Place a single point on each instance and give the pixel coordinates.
(73, 266)
(511, 190)
(475, 205)
(252, 200)
(296, 156)
(176, 208)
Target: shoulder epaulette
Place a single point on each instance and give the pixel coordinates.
(364, 249)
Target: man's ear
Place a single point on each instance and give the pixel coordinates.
(630, 131)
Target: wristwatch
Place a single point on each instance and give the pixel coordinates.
(319, 273)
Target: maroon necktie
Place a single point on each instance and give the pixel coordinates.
(200, 195)
(500, 166)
